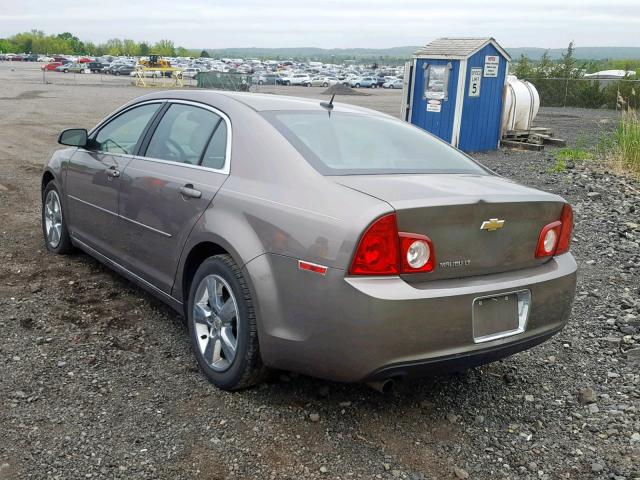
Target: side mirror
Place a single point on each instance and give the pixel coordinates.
(73, 137)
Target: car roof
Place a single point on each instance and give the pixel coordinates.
(259, 102)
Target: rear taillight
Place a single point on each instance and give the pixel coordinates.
(566, 217)
(379, 249)
(383, 250)
(555, 238)
(416, 253)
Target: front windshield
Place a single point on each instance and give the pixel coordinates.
(349, 143)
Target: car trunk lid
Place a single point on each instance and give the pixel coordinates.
(479, 224)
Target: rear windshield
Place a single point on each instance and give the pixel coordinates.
(356, 144)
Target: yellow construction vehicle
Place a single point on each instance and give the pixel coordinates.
(157, 68)
(155, 61)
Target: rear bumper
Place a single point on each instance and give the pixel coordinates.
(365, 328)
(458, 362)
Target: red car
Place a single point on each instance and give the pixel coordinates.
(84, 60)
(51, 66)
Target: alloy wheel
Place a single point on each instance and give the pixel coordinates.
(215, 317)
(53, 218)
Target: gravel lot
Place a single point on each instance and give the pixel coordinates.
(98, 381)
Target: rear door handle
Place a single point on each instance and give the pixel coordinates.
(189, 191)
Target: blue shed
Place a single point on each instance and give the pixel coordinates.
(454, 89)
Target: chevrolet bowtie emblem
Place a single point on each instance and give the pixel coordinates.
(492, 224)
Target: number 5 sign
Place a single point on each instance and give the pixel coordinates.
(474, 82)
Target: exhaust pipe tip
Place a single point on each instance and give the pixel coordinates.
(383, 386)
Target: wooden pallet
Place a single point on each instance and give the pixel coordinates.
(533, 139)
(521, 145)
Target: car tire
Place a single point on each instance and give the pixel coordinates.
(65, 70)
(357, 85)
(54, 225)
(325, 84)
(212, 336)
(260, 82)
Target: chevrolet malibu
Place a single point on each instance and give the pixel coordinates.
(313, 237)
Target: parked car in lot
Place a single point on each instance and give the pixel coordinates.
(51, 66)
(95, 67)
(111, 68)
(350, 246)
(75, 68)
(395, 83)
(265, 79)
(322, 81)
(365, 82)
(190, 72)
(123, 70)
(297, 79)
(147, 73)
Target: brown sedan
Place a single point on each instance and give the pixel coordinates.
(310, 236)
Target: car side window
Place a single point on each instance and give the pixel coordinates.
(121, 135)
(216, 152)
(182, 134)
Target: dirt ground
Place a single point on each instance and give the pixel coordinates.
(97, 379)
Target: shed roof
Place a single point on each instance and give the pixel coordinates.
(458, 47)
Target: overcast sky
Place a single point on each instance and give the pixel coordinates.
(331, 23)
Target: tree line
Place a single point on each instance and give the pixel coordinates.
(36, 41)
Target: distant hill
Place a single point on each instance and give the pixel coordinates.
(324, 54)
(313, 53)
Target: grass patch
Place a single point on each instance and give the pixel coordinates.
(559, 167)
(568, 154)
(576, 154)
(625, 151)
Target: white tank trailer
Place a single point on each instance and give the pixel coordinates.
(521, 104)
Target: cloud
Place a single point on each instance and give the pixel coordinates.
(331, 23)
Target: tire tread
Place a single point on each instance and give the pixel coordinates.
(255, 372)
(65, 246)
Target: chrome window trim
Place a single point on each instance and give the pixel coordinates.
(117, 113)
(227, 156)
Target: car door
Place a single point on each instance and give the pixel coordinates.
(93, 177)
(182, 164)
